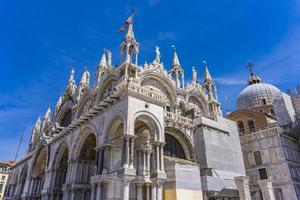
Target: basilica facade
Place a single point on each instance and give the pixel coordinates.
(139, 133)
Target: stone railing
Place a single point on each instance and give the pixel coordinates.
(260, 134)
(177, 118)
(136, 88)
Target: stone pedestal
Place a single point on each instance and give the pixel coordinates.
(242, 184)
(266, 189)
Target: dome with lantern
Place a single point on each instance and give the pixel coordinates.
(256, 94)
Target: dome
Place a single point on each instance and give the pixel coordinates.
(257, 94)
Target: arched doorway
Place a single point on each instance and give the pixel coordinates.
(116, 139)
(148, 157)
(60, 172)
(85, 165)
(38, 174)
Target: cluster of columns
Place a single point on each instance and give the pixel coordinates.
(242, 184)
(129, 151)
(267, 189)
(36, 186)
(159, 156)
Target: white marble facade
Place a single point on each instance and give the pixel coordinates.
(138, 132)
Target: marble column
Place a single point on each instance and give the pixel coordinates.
(125, 190)
(139, 191)
(162, 167)
(131, 145)
(266, 189)
(94, 186)
(147, 190)
(242, 184)
(157, 156)
(99, 191)
(159, 194)
(127, 152)
(153, 192)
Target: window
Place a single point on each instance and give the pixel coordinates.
(260, 110)
(3, 178)
(173, 147)
(66, 120)
(264, 102)
(241, 128)
(263, 173)
(1, 187)
(251, 126)
(257, 157)
(272, 111)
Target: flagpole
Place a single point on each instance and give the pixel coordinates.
(19, 145)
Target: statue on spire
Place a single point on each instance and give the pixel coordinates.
(194, 75)
(71, 88)
(157, 58)
(109, 57)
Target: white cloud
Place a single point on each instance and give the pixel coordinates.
(166, 36)
(229, 81)
(153, 2)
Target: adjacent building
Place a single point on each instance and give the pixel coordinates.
(138, 132)
(269, 133)
(4, 171)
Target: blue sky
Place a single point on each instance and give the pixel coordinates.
(41, 40)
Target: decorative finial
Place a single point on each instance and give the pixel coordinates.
(174, 47)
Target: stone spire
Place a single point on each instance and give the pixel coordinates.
(102, 67)
(207, 76)
(37, 126)
(47, 116)
(177, 71)
(211, 92)
(130, 33)
(129, 46)
(35, 132)
(58, 104)
(85, 79)
(103, 63)
(175, 61)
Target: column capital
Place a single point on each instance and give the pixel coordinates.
(129, 136)
(265, 183)
(241, 181)
(158, 143)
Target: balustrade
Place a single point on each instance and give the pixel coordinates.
(260, 134)
(177, 118)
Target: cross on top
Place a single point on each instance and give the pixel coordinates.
(250, 68)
